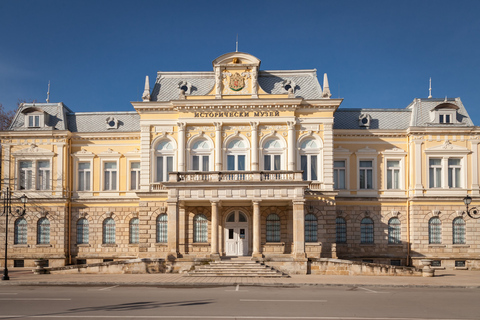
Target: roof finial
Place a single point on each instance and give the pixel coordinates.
(236, 44)
(445, 98)
(430, 89)
(326, 89)
(48, 92)
(146, 92)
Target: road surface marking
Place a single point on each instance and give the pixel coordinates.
(35, 299)
(217, 317)
(12, 293)
(264, 300)
(108, 288)
(370, 290)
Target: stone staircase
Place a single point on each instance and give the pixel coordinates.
(235, 267)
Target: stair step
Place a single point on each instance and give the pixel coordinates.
(235, 268)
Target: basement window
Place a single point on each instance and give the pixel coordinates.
(436, 263)
(459, 264)
(395, 262)
(18, 263)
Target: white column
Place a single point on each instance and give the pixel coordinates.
(218, 146)
(181, 146)
(172, 227)
(60, 161)
(418, 167)
(474, 171)
(146, 158)
(328, 156)
(254, 145)
(299, 228)
(256, 229)
(214, 228)
(291, 145)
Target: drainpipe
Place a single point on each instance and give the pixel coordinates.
(409, 244)
(69, 195)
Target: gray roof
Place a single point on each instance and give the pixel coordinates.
(167, 84)
(384, 119)
(422, 112)
(56, 119)
(97, 121)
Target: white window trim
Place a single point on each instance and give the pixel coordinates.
(129, 175)
(110, 156)
(318, 152)
(273, 151)
(41, 119)
(83, 156)
(367, 154)
(444, 152)
(342, 154)
(394, 154)
(155, 154)
(443, 112)
(203, 152)
(241, 151)
(346, 160)
(133, 156)
(34, 154)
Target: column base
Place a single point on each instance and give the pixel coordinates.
(257, 256)
(300, 255)
(215, 256)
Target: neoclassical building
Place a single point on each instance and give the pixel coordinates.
(243, 162)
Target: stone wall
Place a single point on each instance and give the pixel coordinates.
(351, 268)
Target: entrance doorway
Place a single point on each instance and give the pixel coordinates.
(236, 234)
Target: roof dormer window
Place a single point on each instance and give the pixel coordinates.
(444, 118)
(445, 113)
(34, 120)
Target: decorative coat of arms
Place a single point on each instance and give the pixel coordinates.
(237, 82)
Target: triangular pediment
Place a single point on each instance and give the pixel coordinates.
(447, 147)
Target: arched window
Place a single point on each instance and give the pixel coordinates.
(272, 155)
(200, 228)
(366, 230)
(43, 231)
(109, 231)
(311, 229)
(309, 159)
(236, 155)
(434, 231)
(134, 231)
(459, 231)
(82, 231)
(162, 228)
(200, 154)
(273, 228)
(341, 230)
(394, 232)
(164, 153)
(20, 232)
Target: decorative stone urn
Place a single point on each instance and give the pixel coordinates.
(40, 265)
(427, 271)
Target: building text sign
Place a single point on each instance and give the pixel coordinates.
(237, 114)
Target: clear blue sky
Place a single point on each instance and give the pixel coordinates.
(378, 54)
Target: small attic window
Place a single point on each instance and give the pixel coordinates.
(35, 120)
(445, 113)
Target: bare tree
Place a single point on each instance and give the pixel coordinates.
(6, 117)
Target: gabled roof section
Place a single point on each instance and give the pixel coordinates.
(242, 58)
(304, 82)
(423, 112)
(383, 119)
(55, 116)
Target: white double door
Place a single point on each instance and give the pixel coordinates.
(236, 234)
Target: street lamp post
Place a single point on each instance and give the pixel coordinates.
(7, 210)
(472, 212)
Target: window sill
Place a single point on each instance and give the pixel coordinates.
(274, 244)
(313, 244)
(367, 244)
(44, 245)
(460, 268)
(437, 246)
(109, 245)
(133, 244)
(162, 244)
(21, 246)
(400, 245)
(201, 244)
(460, 246)
(85, 245)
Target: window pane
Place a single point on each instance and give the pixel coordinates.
(389, 179)
(162, 227)
(205, 163)
(273, 228)
(396, 179)
(159, 169)
(311, 228)
(134, 231)
(365, 164)
(195, 161)
(266, 163)
(435, 231)
(313, 164)
(230, 162)
(110, 165)
(241, 162)
(169, 166)
(366, 231)
(277, 162)
(133, 180)
(304, 166)
(341, 179)
(459, 231)
(114, 180)
(339, 164)
(341, 230)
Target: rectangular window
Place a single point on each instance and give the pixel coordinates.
(18, 263)
(84, 176)
(134, 175)
(395, 263)
(313, 167)
(34, 121)
(459, 264)
(241, 162)
(164, 167)
(276, 162)
(339, 174)
(454, 173)
(441, 118)
(43, 178)
(436, 263)
(435, 173)
(230, 162)
(304, 167)
(393, 174)
(266, 163)
(110, 176)
(205, 163)
(26, 175)
(195, 163)
(366, 174)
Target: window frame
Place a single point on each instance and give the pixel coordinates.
(235, 152)
(20, 231)
(109, 231)
(43, 231)
(164, 154)
(367, 231)
(134, 231)
(200, 228)
(201, 153)
(335, 175)
(340, 232)
(434, 231)
(272, 153)
(161, 232)
(459, 231)
(83, 231)
(308, 153)
(311, 228)
(394, 231)
(273, 228)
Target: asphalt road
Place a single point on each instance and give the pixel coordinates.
(238, 302)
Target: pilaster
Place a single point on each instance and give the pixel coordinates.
(299, 228)
(254, 145)
(291, 145)
(218, 146)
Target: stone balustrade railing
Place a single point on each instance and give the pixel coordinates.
(221, 176)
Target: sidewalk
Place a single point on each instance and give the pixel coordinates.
(443, 278)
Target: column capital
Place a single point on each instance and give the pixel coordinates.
(218, 125)
(181, 125)
(291, 124)
(215, 202)
(256, 202)
(299, 202)
(254, 124)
